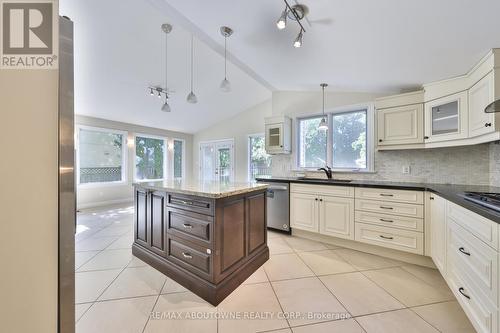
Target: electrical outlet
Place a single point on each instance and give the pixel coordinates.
(406, 170)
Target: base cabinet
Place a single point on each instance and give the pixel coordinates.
(437, 214)
(304, 211)
(336, 217)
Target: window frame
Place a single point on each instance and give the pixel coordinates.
(249, 158)
(165, 157)
(370, 137)
(124, 163)
(172, 159)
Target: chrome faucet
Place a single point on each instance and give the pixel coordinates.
(327, 170)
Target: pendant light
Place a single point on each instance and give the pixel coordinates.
(167, 28)
(323, 124)
(225, 85)
(191, 97)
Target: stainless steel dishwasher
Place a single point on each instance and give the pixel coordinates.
(278, 205)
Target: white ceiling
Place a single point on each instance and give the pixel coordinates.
(356, 45)
(359, 45)
(119, 51)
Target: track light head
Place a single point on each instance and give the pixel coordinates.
(281, 23)
(298, 41)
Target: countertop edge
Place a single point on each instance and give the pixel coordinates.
(445, 191)
(200, 193)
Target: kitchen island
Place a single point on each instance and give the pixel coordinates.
(207, 236)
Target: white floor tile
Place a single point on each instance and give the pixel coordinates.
(90, 285)
(286, 266)
(401, 321)
(340, 326)
(447, 317)
(326, 262)
(108, 259)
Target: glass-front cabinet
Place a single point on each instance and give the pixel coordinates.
(446, 118)
(278, 135)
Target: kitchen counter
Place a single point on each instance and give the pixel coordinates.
(213, 190)
(449, 192)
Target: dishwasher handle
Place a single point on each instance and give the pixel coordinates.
(277, 188)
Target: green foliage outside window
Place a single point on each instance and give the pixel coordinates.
(149, 158)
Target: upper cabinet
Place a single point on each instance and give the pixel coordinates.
(278, 135)
(453, 111)
(446, 118)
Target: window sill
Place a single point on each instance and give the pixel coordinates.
(106, 184)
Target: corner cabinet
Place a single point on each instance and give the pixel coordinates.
(401, 125)
(446, 118)
(312, 209)
(278, 135)
(480, 96)
(437, 215)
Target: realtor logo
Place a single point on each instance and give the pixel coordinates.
(28, 35)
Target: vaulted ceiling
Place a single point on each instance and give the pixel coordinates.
(362, 45)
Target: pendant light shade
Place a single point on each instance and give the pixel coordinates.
(323, 124)
(191, 97)
(493, 107)
(166, 107)
(225, 85)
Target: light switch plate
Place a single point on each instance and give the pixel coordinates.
(406, 169)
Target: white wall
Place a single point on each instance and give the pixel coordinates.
(92, 195)
(28, 200)
(238, 128)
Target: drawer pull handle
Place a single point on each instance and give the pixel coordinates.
(461, 290)
(463, 251)
(385, 207)
(187, 226)
(386, 195)
(385, 237)
(187, 255)
(384, 220)
(187, 202)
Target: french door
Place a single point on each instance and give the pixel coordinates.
(217, 161)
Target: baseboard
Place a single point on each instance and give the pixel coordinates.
(368, 248)
(104, 203)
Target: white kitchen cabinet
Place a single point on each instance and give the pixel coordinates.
(480, 95)
(336, 217)
(278, 135)
(401, 125)
(446, 118)
(437, 216)
(304, 213)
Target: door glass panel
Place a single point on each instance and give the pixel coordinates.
(274, 137)
(207, 163)
(224, 160)
(445, 118)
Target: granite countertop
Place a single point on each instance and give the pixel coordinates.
(214, 190)
(452, 193)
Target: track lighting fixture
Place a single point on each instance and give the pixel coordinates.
(323, 124)
(166, 28)
(295, 13)
(225, 85)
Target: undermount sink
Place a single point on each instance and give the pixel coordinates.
(333, 180)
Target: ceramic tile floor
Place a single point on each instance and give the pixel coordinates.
(305, 287)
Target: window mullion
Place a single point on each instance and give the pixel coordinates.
(329, 141)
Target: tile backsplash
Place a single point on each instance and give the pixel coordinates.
(476, 165)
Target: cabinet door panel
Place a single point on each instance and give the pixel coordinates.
(480, 95)
(336, 217)
(304, 212)
(437, 207)
(447, 118)
(401, 125)
(141, 218)
(157, 220)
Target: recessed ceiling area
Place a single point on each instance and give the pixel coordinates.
(120, 51)
(376, 46)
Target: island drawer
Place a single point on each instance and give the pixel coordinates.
(191, 203)
(189, 256)
(191, 226)
(404, 196)
(391, 208)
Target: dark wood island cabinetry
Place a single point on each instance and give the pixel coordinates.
(207, 237)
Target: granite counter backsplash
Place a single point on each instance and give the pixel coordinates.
(467, 165)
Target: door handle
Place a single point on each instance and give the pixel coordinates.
(187, 226)
(461, 249)
(187, 255)
(462, 291)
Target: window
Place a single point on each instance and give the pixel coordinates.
(259, 162)
(312, 144)
(349, 140)
(178, 158)
(101, 155)
(150, 158)
(345, 146)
